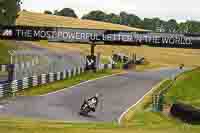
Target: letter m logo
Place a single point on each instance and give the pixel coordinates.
(7, 33)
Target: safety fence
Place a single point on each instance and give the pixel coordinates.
(4, 67)
(158, 99)
(10, 89)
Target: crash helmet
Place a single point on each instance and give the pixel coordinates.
(97, 95)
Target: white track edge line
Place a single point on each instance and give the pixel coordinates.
(125, 112)
(81, 84)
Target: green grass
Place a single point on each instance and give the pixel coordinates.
(3, 73)
(148, 125)
(4, 47)
(40, 19)
(145, 104)
(119, 65)
(104, 60)
(186, 88)
(151, 120)
(58, 85)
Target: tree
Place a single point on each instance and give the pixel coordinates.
(96, 15)
(171, 26)
(8, 11)
(101, 16)
(124, 18)
(182, 28)
(134, 21)
(148, 24)
(47, 12)
(55, 12)
(193, 26)
(130, 20)
(67, 12)
(112, 18)
(154, 24)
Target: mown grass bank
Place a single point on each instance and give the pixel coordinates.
(186, 89)
(157, 57)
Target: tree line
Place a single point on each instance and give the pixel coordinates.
(10, 8)
(132, 20)
(8, 11)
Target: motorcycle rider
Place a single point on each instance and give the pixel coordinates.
(93, 102)
(181, 66)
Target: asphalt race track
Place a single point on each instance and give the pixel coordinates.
(119, 93)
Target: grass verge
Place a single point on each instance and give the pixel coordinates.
(146, 102)
(5, 46)
(185, 89)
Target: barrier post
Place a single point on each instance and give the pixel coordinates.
(157, 103)
(160, 102)
(69, 74)
(154, 107)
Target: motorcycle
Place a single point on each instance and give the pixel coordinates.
(88, 106)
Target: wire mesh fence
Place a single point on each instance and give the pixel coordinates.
(36, 62)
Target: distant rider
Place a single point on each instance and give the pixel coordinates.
(93, 102)
(181, 66)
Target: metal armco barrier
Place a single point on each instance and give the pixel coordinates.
(14, 86)
(51, 77)
(20, 85)
(9, 89)
(25, 83)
